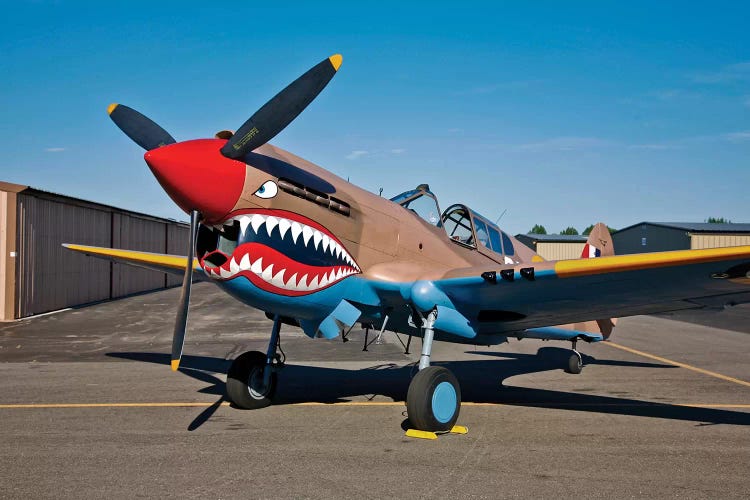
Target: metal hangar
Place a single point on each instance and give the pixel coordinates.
(38, 275)
(662, 236)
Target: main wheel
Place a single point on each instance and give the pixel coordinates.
(575, 363)
(245, 381)
(433, 400)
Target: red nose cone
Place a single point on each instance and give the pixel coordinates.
(198, 177)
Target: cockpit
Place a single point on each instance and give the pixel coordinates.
(463, 225)
(422, 202)
(467, 227)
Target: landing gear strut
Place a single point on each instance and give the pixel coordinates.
(252, 377)
(434, 397)
(575, 361)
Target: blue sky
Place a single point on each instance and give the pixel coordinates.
(561, 113)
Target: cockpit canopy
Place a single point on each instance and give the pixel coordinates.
(463, 225)
(422, 202)
(467, 227)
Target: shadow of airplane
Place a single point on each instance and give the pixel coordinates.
(481, 382)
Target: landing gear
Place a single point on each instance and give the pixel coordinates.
(252, 377)
(434, 397)
(575, 361)
(433, 400)
(245, 381)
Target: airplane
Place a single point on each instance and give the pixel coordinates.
(310, 249)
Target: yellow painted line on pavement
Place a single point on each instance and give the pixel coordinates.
(178, 404)
(108, 405)
(699, 405)
(677, 363)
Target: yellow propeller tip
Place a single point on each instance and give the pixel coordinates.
(336, 61)
(175, 364)
(111, 108)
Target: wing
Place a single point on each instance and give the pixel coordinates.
(571, 291)
(173, 264)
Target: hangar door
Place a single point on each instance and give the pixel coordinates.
(49, 276)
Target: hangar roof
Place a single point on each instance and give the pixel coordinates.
(697, 227)
(20, 188)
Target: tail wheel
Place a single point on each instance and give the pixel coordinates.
(575, 363)
(434, 399)
(245, 387)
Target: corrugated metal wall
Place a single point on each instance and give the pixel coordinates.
(702, 240)
(131, 233)
(559, 251)
(51, 277)
(178, 239)
(650, 238)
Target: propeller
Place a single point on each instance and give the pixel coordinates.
(284, 107)
(260, 128)
(180, 325)
(144, 131)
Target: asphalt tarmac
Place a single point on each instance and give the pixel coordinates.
(90, 409)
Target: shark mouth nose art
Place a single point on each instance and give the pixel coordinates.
(280, 252)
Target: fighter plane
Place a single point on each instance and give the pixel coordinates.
(310, 249)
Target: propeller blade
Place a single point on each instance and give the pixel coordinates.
(284, 107)
(180, 326)
(141, 129)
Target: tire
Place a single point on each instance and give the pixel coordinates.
(244, 381)
(575, 364)
(433, 400)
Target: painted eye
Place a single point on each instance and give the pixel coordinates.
(267, 190)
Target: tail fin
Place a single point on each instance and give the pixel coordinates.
(599, 243)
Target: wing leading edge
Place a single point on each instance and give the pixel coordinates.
(174, 264)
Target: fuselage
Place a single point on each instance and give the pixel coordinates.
(288, 237)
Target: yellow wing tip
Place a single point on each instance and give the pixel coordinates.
(175, 364)
(111, 108)
(336, 60)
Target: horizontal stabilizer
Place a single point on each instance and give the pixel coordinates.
(557, 333)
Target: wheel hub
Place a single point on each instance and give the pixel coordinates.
(444, 402)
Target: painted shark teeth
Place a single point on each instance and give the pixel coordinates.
(284, 226)
(307, 233)
(320, 241)
(245, 262)
(271, 222)
(256, 221)
(278, 277)
(244, 222)
(296, 230)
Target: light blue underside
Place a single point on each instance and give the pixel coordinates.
(348, 300)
